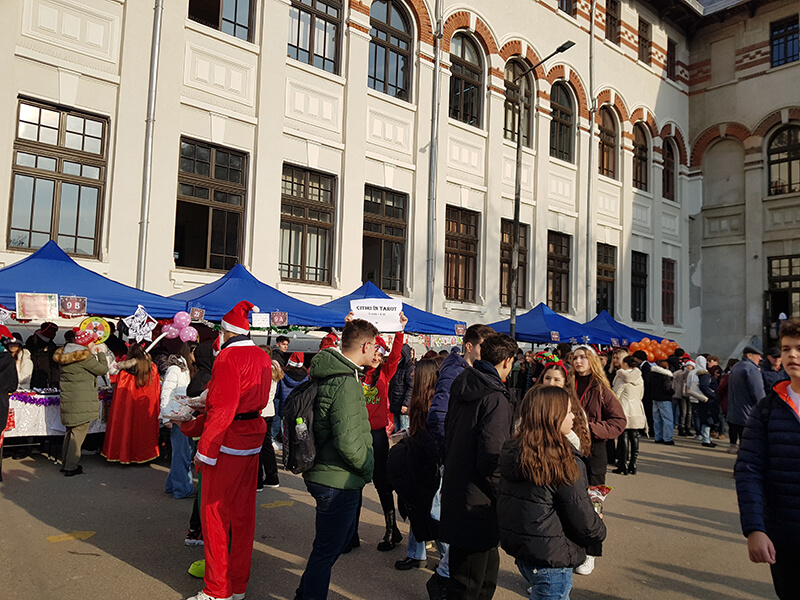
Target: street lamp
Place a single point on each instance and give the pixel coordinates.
(518, 183)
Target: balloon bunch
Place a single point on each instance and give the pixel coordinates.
(654, 350)
(181, 327)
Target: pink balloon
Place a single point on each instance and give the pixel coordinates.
(182, 319)
(188, 334)
(171, 331)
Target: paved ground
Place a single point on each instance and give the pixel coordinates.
(673, 534)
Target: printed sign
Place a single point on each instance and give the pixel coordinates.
(37, 306)
(260, 320)
(461, 329)
(279, 319)
(625, 343)
(615, 342)
(72, 305)
(197, 314)
(554, 337)
(382, 312)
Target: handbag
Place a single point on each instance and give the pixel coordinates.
(699, 396)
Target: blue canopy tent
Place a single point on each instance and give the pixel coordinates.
(538, 324)
(419, 321)
(50, 271)
(218, 297)
(618, 331)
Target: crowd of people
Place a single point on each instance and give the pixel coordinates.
(478, 448)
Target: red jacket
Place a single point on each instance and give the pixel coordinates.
(376, 393)
(240, 382)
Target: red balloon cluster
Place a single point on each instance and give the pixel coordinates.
(655, 350)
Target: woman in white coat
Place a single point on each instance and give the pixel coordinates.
(629, 389)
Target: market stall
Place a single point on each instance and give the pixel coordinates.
(543, 325)
(619, 333)
(35, 413)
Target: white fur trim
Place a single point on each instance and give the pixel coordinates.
(233, 328)
(240, 344)
(255, 309)
(292, 363)
(238, 452)
(207, 460)
(661, 371)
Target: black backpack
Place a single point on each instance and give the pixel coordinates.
(299, 448)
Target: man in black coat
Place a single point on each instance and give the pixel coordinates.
(400, 389)
(8, 383)
(46, 372)
(479, 421)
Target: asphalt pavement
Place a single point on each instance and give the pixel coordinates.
(112, 533)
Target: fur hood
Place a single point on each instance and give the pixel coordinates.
(633, 376)
(71, 353)
(661, 371)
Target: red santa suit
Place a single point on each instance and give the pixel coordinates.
(228, 450)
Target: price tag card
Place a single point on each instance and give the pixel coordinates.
(37, 306)
(260, 320)
(554, 336)
(197, 314)
(72, 305)
(382, 312)
(279, 319)
(461, 329)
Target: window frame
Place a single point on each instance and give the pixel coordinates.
(607, 157)
(645, 42)
(567, 7)
(641, 158)
(668, 272)
(251, 14)
(59, 153)
(510, 102)
(460, 79)
(314, 14)
(404, 36)
(383, 221)
(559, 267)
(672, 59)
(792, 151)
(784, 34)
(306, 204)
(562, 123)
(612, 21)
(639, 276)
(606, 278)
(463, 260)
(787, 282)
(506, 260)
(668, 172)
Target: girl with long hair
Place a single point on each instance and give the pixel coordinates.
(556, 374)
(177, 378)
(545, 516)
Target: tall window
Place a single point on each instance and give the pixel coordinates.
(514, 69)
(783, 39)
(606, 277)
(639, 286)
(672, 59)
(307, 207)
(234, 17)
(211, 194)
(668, 173)
(784, 161)
(566, 6)
(314, 33)
(466, 80)
(506, 251)
(784, 274)
(612, 21)
(668, 291)
(58, 178)
(461, 254)
(644, 41)
(607, 157)
(641, 162)
(384, 238)
(390, 49)
(558, 259)
(561, 121)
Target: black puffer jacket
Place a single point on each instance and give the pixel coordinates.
(401, 384)
(46, 372)
(545, 526)
(658, 384)
(204, 361)
(478, 423)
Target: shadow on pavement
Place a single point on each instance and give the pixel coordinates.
(694, 588)
(700, 516)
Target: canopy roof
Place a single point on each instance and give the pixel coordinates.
(538, 324)
(619, 331)
(50, 271)
(419, 321)
(219, 296)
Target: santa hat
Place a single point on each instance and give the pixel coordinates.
(380, 344)
(84, 337)
(329, 341)
(688, 363)
(238, 319)
(6, 337)
(296, 359)
(215, 347)
(47, 331)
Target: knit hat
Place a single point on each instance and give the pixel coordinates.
(380, 344)
(47, 331)
(238, 318)
(329, 341)
(296, 359)
(17, 339)
(84, 337)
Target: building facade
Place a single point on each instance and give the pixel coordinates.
(294, 136)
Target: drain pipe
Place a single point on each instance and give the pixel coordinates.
(144, 219)
(590, 255)
(433, 157)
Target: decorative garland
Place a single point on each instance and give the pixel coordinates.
(54, 398)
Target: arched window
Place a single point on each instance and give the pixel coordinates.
(466, 80)
(390, 49)
(607, 157)
(784, 161)
(668, 173)
(562, 117)
(515, 68)
(640, 157)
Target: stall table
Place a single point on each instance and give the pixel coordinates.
(35, 413)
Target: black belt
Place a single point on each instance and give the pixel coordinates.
(248, 416)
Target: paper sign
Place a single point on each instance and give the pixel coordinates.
(260, 320)
(140, 325)
(615, 342)
(37, 306)
(279, 319)
(554, 337)
(72, 305)
(197, 314)
(382, 312)
(99, 326)
(625, 343)
(5, 315)
(461, 329)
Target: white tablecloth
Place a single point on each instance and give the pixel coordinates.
(33, 419)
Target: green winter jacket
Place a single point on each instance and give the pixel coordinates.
(341, 425)
(79, 372)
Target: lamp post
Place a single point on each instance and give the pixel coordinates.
(518, 184)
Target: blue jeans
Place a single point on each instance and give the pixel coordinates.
(676, 412)
(276, 427)
(400, 422)
(662, 420)
(695, 417)
(444, 549)
(179, 480)
(547, 584)
(335, 525)
(705, 431)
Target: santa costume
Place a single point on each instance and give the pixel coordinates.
(231, 438)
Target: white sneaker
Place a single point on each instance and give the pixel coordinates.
(733, 449)
(698, 437)
(587, 567)
(238, 597)
(201, 595)
(276, 446)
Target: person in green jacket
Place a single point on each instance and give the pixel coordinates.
(81, 364)
(344, 452)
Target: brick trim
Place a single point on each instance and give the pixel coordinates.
(710, 135)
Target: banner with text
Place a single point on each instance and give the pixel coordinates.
(382, 312)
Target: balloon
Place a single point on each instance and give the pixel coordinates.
(646, 341)
(660, 354)
(633, 347)
(188, 334)
(650, 356)
(182, 319)
(170, 331)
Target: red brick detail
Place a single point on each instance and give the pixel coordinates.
(671, 130)
(603, 97)
(497, 90)
(533, 59)
(733, 130)
(557, 72)
(497, 72)
(485, 36)
(512, 48)
(423, 20)
(775, 119)
(650, 122)
(583, 103)
(358, 27)
(456, 21)
(359, 7)
(620, 106)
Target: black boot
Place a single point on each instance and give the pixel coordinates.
(392, 535)
(622, 454)
(634, 453)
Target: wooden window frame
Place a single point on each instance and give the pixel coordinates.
(389, 49)
(786, 155)
(608, 143)
(672, 60)
(506, 256)
(645, 42)
(783, 41)
(221, 20)
(315, 13)
(305, 203)
(788, 281)
(459, 82)
(668, 179)
(567, 6)
(641, 158)
(510, 116)
(606, 278)
(559, 260)
(562, 119)
(384, 221)
(668, 271)
(612, 21)
(461, 262)
(639, 275)
(59, 153)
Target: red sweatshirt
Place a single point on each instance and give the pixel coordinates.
(376, 393)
